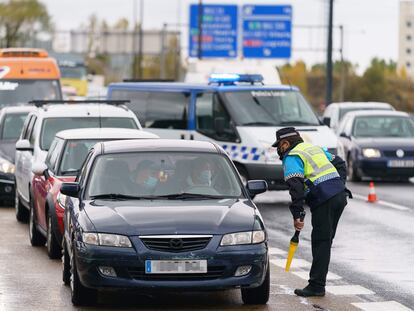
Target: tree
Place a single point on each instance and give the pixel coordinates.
(20, 19)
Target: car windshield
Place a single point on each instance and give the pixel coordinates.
(74, 154)
(269, 108)
(383, 126)
(12, 125)
(13, 92)
(53, 125)
(163, 175)
(75, 72)
(344, 111)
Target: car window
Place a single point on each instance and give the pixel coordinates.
(50, 153)
(29, 128)
(84, 168)
(383, 126)
(26, 126)
(53, 125)
(55, 155)
(157, 109)
(33, 131)
(12, 125)
(163, 174)
(209, 108)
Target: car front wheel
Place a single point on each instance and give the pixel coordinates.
(53, 248)
(22, 214)
(36, 238)
(353, 171)
(80, 295)
(258, 295)
(65, 265)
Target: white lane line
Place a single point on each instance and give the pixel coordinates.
(381, 306)
(305, 275)
(384, 203)
(296, 263)
(348, 290)
(276, 251)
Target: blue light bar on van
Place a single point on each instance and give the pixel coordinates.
(232, 78)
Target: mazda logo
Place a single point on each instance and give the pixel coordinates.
(176, 243)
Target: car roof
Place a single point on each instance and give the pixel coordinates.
(172, 145)
(180, 86)
(18, 109)
(87, 110)
(362, 104)
(368, 113)
(105, 133)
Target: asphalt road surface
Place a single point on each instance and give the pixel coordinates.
(372, 264)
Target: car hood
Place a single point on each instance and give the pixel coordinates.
(385, 143)
(171, 217)
(8, 150)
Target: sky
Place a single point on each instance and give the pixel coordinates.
(370, 26)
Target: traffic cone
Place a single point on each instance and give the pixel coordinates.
(372, 196)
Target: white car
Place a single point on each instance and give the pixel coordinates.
(40, 129)
(335, 112)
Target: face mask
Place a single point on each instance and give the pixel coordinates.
(151, 182)
(205, 177)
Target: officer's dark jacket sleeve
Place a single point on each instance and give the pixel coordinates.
(340, 166)
(297, 194)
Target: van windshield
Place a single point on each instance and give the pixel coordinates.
(269, 108)
(13, 92)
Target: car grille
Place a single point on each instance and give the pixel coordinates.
(392, 153)
(213, 272)
(176, 244)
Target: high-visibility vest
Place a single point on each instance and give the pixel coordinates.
(317, 167)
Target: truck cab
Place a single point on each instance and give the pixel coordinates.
(238, 112)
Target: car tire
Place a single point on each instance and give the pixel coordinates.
(22, 214)
(65, 265)
(258, 295)
(53, 248)
(80, 295)
(35, 237)
(352, 171)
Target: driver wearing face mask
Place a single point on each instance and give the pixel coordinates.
(146, 177)
(200, 174)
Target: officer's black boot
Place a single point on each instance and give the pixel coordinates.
(308, 291)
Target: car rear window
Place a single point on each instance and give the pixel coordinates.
(53, 125)
(12, 125)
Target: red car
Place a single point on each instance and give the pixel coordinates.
(65, 156)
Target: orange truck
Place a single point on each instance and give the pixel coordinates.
(27, 74)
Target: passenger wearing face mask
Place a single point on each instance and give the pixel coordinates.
(200, 178)
(146, 178)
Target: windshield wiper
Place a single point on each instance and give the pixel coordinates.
(186, 195)
(296, 123)
(115, 196)
(259, 124)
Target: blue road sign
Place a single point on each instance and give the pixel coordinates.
(267, 31)
(219, 31)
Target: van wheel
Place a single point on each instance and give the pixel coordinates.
(80, 295)
(36, 238)
(258, 295)
(22, 214)
(53, 248)
(352, 171)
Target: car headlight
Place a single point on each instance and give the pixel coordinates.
(106, 239)
(6, 166)
(242, 238)
(61, 199)
(371, 153)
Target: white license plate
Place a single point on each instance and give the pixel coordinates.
(175, 266)
(401, 163)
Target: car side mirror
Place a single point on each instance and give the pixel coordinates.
(256, 186)
(344, 135)
(24, 145)
(40, 169)
(219, 125)
(327, 121)
(70, 189)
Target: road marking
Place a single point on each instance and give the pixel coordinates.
(384, 203)
(348, 290)
(296, 263)
(381, 306)
(276, 251)
(305, 275)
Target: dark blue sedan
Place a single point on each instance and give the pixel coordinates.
(378, 144)
(163, 214)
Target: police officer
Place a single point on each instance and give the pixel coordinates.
(317, 177)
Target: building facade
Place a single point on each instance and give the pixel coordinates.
(406, 38)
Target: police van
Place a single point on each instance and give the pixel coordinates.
(238, 112)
